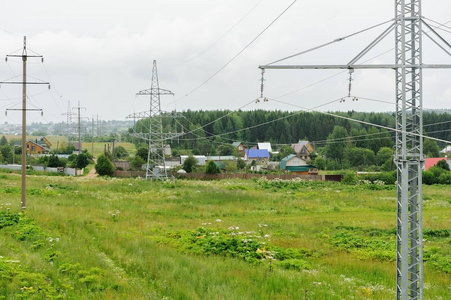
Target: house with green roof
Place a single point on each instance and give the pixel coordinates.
(297, 166)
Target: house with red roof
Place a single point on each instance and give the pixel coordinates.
(430, 162)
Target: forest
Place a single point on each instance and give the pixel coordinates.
(204, 130)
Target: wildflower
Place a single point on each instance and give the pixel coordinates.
(218, 220)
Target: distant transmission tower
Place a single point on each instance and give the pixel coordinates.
(409, 156)
(68, 115)
(156, 164)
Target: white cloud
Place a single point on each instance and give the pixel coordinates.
(101, 52)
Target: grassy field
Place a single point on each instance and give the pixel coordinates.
(132, 239)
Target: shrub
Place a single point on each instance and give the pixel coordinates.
(81, 161)
(443, 164)
(189, 164)
(349, 178)
(104, 166)
(212, 168)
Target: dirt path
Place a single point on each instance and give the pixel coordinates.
(92, 173)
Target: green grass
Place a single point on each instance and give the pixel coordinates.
(129, 238)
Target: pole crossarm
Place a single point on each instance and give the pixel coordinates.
(356, 67)
(21, 82)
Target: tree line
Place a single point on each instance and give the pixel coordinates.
(205, 131)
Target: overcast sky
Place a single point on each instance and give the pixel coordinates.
(100, 53)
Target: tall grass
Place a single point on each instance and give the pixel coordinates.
(118, 239)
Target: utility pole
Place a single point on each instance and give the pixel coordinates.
(92, 136)
(156, 164)
(24, 109)
(79, 125)
(409, 158)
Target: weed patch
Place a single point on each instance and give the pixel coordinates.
(249, 246)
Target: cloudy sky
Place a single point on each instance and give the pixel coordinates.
(100, 53)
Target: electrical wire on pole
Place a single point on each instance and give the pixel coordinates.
(24, 56)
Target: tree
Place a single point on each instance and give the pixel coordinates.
(53, 161)
(189, 164)
(7, 153)
(230, 166)
(3, 141)
(227, 150)
(383, 155)
(430, 148)
(104, 166)
(336, 143)
(81, 161)
(320, 162)
(240, 164)
(142, 152)
(212, 168)
(120, 152)
(443, 164)
(136, 162)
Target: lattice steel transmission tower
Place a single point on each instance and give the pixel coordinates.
(409, 158)
(156, 164)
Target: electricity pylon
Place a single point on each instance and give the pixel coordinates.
(409, 156)
(156, 164)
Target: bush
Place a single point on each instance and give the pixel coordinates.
(81, 161)
(349, 178)
(104, 166)
(53, 161)
(189, 164)
(212, 168)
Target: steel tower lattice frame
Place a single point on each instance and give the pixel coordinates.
(156, 163)
(409, 157)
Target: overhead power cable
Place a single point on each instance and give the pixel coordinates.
(239, 53)
(222, 36)
(331, 42)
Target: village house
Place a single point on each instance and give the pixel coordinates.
(239, 147)
(430, 162)
(35, 148)
(259, 155)
(303, 149)
(297, 166)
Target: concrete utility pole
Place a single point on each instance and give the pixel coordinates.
(409, 158)
(79, 125)
(92, 136)
(24, 109)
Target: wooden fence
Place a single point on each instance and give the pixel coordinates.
(202, 176)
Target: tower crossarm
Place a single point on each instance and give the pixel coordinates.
(344, 67)
(152, 91)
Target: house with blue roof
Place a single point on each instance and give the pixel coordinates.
(259, 155)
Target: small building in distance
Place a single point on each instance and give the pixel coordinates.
(35, 148)
(261, 156)
(446, 150)
(297, 166)
(430, 162)
(201, 159)
(265, 146)
(303, 149)
(239, 147)
(168, 150)
(43, 141)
